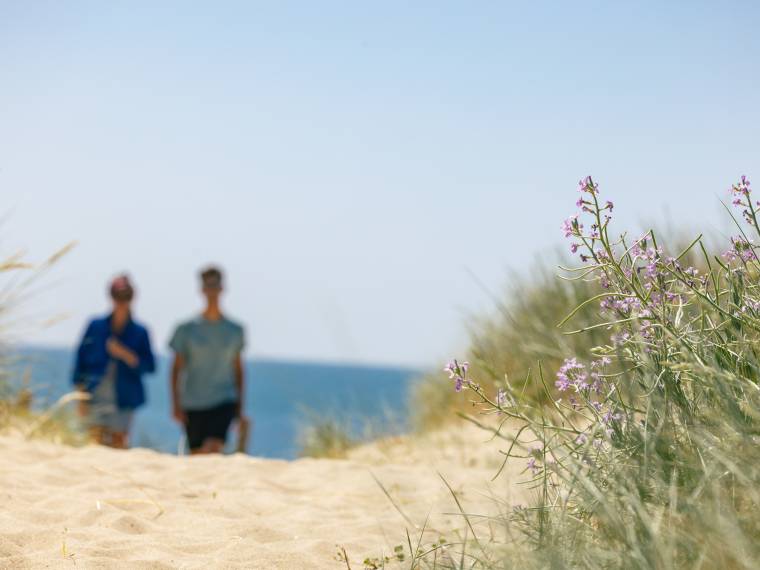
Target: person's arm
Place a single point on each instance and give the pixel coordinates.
(239, 385)
(78, 376)
(147, 362)
(119, 351)
(177, 411)
(82, 358)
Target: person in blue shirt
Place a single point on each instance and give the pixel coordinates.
(207, 380)
(113, 355)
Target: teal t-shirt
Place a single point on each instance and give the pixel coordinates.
(209, 349)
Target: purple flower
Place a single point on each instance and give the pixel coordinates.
(571, 226)
(611, 416)
(742, 249)
(742, 187)
(620, 339)
(571, 373)
(741, 192)
(587, 185)
(729, 255)
(458, 373)
(609, 205)
(535, 452)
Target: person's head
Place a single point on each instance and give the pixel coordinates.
(211, 283)
(122, 292)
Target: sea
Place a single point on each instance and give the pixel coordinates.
(282, 398)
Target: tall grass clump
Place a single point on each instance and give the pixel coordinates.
(18, 414)
(645, 452)
(508, 343)
(334, 433)
(325, 437)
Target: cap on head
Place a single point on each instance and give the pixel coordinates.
(211, 278)
(121, 288)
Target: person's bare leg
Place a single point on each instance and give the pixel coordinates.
(99, 435)
(204, 449)
(213, 445)
(106, 437)
(119, 440)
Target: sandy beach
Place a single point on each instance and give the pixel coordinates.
(94, 507)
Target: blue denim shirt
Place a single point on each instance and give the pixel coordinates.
(92, 360)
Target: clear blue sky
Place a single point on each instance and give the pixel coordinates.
(351, 163)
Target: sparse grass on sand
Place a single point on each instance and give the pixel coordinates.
(57, 423)
(18, 414)
(327, 438)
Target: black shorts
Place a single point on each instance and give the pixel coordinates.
(211, 423)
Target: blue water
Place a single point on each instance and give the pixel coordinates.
(281, 397)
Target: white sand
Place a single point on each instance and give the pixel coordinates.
(93, 507)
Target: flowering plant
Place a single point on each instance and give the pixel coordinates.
(650, 438)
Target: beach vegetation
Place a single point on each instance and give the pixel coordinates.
(325, 437)
(643, 449)
(508, 343)
(20, 414)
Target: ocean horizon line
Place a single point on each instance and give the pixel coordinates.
(259, 358)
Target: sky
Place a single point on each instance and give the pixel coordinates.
(368, 174)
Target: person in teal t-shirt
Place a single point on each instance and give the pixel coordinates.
(207, 380)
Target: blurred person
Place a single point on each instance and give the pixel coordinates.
(207, 379)
(113, 355)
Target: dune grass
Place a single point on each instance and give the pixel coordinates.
(325, 437)
(57, 423)
(643, 451)
(521, 331)
(332, 435)
(508, 343)
(18, 414)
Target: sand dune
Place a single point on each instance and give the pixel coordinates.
(93, 507)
